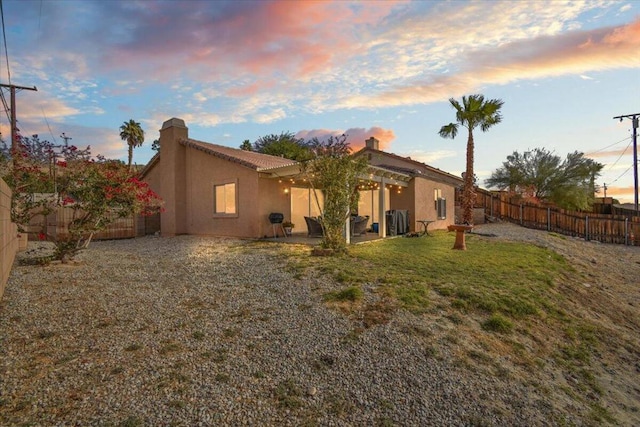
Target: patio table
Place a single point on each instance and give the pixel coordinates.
(425, 226)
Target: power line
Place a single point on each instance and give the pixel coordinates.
(4, 35)
(610, 145)
(621, 154)
(621, 175)
(634, 126)
(48, 127)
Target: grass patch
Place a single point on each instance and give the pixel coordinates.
(289, 394)
(43, 335)
(513, 279)
(231, 332)
(498, 323)
(169, 347)
(133, 347)
(350, 294)
(131, 422)
(221, 377)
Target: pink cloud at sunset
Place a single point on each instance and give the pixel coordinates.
(546, 56)
(254, 38)
(627, 150)
(356, 137)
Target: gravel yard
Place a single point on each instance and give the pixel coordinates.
(208, 331)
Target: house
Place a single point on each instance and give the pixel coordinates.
(209, 189)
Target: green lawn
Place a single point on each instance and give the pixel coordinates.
(511, 279)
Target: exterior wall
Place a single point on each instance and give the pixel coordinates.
(272, 198)
(203, 171)
(153, 178)
(8, 236)
(424, 204)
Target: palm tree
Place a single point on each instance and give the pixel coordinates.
(134, 135)
(473, 112)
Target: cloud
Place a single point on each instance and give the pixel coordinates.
(611, 153)
(623, 194)
(430, 157)
(573, 52)
(233, 62)
(356, 137)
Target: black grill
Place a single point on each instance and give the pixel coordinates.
(276, 218)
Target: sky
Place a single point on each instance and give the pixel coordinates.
(240, 70)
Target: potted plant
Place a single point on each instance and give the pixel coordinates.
(288, 226)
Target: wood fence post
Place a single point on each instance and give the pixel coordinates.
(548, 219)
(586, 228)
(521, 219)
(626, 231)
(491, 207)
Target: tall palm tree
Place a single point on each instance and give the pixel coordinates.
(473, 112)
(134, 135)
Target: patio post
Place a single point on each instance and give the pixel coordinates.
(347, 230)
(382, 218)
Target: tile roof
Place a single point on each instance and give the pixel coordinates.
(250, 159)
(420, 166)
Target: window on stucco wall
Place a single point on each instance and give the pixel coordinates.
(224, 199)
(440, 204)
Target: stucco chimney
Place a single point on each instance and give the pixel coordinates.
(372, 143)
(173, 177)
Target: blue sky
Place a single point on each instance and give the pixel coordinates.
(237, 70)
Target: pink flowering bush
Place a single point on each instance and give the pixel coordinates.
(98, 192)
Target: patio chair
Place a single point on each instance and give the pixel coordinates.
(359, 225)
(314, 229)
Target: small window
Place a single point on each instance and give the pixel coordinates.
(441, 208)
(224, 196)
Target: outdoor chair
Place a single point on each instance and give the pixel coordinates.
(314, 229)
(359, 225)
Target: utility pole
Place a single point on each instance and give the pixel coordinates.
(66, 139)
(634, 121)
(14, 126)
(604, 185)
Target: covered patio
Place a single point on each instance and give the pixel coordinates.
(377, 190)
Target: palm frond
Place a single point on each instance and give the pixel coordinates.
(449, 131)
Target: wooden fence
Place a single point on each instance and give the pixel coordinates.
(621, 229)
(120, 228)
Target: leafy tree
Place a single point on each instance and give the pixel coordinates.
(246, 145)
(155, 145)
(541, 175)
(283, 145)
(97, 192)
(132, 132)
(334, 171)
(473, 112)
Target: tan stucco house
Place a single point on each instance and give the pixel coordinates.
(209, 189)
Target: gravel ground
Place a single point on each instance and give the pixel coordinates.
(209, 331)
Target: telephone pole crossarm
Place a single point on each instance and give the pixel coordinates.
(14, 125)
(634, 121)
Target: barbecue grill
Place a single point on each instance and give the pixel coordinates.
(276, 218)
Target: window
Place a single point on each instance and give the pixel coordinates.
(440, 204)
(224, 199)
(441, 208)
